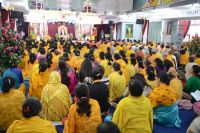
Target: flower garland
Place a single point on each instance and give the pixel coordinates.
(11, 47)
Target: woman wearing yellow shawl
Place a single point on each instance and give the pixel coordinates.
(139, 67)
(24, 60)
(11, 102)
(38, 80)
(107, 64)
(184, 57)
(197, 59)
(76, 61)
(55, 99)
(124, 67)
(117, 83)
(176, 83)
(29, 66)
(31, 123)
(151, 77)
(84, 116)
(134, 113)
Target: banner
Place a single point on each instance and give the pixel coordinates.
(138, 4)
(160, 2)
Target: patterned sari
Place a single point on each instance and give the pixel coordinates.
(167, 115)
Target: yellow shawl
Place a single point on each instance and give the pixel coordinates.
(83, 124)
(55, 99)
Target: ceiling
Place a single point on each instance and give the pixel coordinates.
(19, 5)
(109, 6)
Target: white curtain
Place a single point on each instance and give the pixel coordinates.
(155, 29)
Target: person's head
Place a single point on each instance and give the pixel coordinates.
(31, 107)
(146, 63)
(159, 63)
(164, 78)
(154, 50)
(7, 84)
(117, 68)
(170, 52)
(162, 46)
(86, 66)
(82, 95)
(102, 55)
(91, 57)
(98, 73)
(77, 53)
(172, 71)
(140, 62)
(140, 77)
(117, 56)
(62, 65)
(191, 59)
(32, 58)
(54, 78)
(136, 87)
(49, 58)
(109, 58)
(182, 52)
(133, 60)
(196, 70)
(196, 108)
(151, 73)
(43, 65)
(64, 72)
(107, 127)
(171, 75)
(57, 52)
(197, 55)
(122, 53)
(62, 58)
(66, 56)
(42, 50)
(168, 64)
(108, 49)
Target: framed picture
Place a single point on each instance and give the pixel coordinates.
(129, 31)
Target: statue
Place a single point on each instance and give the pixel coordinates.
(63, 32)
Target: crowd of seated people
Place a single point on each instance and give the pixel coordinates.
(83, 84)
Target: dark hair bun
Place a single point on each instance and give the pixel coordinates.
(31, 107)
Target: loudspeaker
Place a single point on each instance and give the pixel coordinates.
(16, 14)
(140, 21)
(110, 22)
